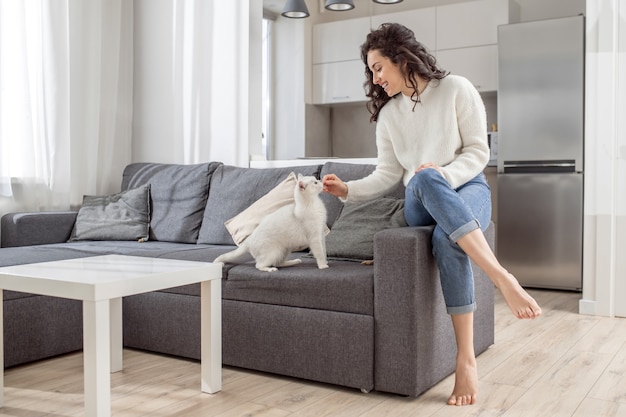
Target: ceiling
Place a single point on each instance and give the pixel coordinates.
(276, 6)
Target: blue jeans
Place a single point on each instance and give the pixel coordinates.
(430, 200)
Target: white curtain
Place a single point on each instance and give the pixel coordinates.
(66, 70)
(211, 72)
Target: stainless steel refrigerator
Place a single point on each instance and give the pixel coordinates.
(540, 151)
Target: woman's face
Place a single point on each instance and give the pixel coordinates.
(387, 74)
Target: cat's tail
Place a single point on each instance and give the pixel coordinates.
(229, 257)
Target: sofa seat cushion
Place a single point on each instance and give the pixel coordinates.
(154, 249)
(40, 253)
(58, 251)
(344, 286)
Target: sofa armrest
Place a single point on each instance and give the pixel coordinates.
(414, 340)
(40, 228)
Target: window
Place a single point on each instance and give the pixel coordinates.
(267, 87)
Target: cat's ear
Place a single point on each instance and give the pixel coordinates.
(299, 176)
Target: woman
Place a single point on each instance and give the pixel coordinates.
(431, 134)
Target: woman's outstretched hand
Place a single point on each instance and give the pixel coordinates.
(333, 185)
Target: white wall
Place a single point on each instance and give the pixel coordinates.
(604, 275)
(620, 158)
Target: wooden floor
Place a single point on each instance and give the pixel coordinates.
(560, 365)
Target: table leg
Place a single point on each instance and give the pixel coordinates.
(115, 306)
(211, 335)
(96, 358)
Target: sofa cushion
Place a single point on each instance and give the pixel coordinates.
(243, 224)
(348, 172)
(80, 249)
(121, 216)
(43, 253)
(352, 235)
(344, 286)
(178, 197)
(233, 189)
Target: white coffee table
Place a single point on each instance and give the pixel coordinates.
(101, 282)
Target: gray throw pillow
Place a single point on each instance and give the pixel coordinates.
(352, 234)
(349, 172)
(121, 216)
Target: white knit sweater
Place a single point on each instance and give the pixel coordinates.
(448, 128)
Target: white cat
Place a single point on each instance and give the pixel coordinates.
(292, 227)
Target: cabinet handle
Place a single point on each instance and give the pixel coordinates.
(340, 97)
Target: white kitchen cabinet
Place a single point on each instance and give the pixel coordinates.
(478, 64)
(339, 41)
(338, 82)
(338, 72)
(463, 36)
(420, 21)
(472, 23)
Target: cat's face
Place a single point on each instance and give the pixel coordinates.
(309, 185)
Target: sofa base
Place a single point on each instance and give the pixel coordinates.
(269, 338)
(40, 327)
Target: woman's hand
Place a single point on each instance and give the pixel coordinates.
(333, 185)
(429, 165)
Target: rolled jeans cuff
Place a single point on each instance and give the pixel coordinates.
(465, 229)
(461, 309)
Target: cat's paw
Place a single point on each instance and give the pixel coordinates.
(322, 266)
(267, 268)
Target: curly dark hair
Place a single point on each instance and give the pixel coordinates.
(397, 43)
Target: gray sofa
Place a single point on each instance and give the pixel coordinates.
(372, 327)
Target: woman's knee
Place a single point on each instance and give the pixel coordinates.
(425, 176)
(423, 180)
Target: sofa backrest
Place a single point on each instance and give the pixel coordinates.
(178, 196)
(233, 189)
(190, 203)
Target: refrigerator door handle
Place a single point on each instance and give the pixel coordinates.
(561, 166)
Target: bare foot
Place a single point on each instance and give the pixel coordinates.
(519, 301)
(465, 383)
